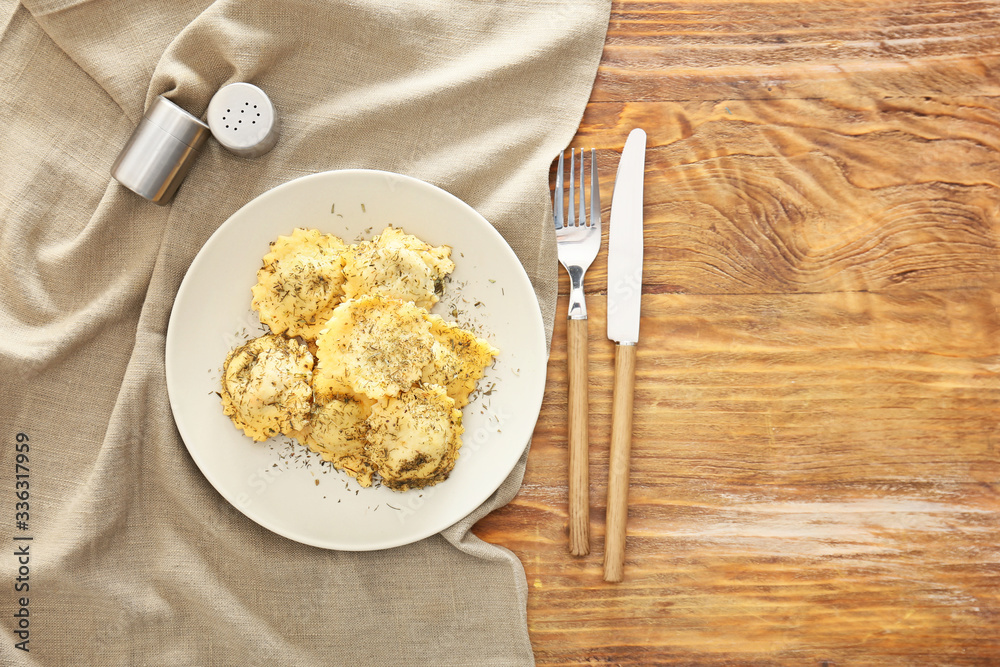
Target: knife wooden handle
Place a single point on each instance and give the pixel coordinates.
(618, 464)
(579, 458)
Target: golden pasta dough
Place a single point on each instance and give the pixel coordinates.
(398, 266)
(300, 283)
(266, 386)
(337, 431)
(459, 359)
(413, 439)
(372, 346)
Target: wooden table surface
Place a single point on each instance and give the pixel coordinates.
(816, 453)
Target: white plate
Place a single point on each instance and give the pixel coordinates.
(275, 483)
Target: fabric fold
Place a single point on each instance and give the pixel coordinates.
(136, 559)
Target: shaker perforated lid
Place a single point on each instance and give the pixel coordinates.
(160, 151)
(243, 119)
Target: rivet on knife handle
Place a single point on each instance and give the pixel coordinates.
(624, 297)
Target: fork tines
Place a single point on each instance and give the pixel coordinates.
(574, 210)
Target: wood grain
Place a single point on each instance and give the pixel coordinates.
(815, 473)
(619, 461)
(578, 416)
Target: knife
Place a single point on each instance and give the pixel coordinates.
(624, 293)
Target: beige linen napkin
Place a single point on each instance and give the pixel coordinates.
(133, 558)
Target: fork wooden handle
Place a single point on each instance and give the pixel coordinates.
(618, 464)
(579, 459)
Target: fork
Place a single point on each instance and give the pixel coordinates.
(577, 245)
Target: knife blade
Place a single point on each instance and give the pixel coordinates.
(624, 297)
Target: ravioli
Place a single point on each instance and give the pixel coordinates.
(266, 386)
(459, 359)
(356, 368)
(413, 439)
(336, 432)
(300, 283)
(397, 265)
(372, 346)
